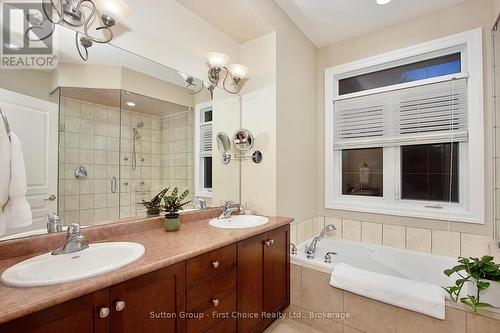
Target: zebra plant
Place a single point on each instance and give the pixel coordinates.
(173, 202)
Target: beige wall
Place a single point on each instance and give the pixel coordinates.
(467, 15)
(295, 123)
(31, 82)
(258, 114)
(115, 77)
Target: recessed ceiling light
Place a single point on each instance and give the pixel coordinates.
(383, 2)
(131, 104)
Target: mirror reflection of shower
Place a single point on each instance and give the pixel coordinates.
(136, 135)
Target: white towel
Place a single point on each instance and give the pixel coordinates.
(16, 212)
(4, 178)
(412, 295)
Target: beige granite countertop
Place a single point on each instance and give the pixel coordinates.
(162, 249)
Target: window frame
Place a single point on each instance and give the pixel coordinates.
(471, 188)
(200, 190)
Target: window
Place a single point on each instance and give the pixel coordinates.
(362, 172)
(435, 67)
(430, 172)
(203, 150)
(404, 132)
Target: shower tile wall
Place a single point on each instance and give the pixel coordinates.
(90, 137)
(143, 182)
(164, 157)
(177, 149)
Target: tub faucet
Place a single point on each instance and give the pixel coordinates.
(74, 241)
(311, 249)
(228, 210)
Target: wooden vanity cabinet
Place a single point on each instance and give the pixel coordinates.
(80, 315)
(251, 277)
(143, 304)
(161, 291)
(263, 278)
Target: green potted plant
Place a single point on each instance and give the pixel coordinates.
(153, 207)
(483, 278)
(173, 203)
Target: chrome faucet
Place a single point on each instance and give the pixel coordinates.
(228, 210)
(311, 249)
(201, 204)
(54, 223)
(74, 241)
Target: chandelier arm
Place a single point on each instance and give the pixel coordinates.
(194, 92)
(84, 57)
(235, 92)
(87, 21)
(27, 33)
(58, 8)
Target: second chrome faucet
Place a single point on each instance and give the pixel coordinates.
(311, 249)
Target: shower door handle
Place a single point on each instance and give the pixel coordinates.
(113, 184)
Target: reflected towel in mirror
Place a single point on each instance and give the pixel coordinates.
(16, 210)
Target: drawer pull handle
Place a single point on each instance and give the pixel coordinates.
(216, 302)
(104, 313)
(215, 264)
(269, 242)
(119, 306)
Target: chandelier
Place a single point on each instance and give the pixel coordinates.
(79, 14)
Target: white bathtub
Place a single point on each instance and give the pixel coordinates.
(381, 259)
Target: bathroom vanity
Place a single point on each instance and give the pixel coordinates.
(199, 279)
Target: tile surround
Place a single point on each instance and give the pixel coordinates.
(91, 137)
(417, 239)
(369, 316)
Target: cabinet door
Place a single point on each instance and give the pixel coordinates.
(250, 282)
(80, 315)
(277, 270)
(152, 302)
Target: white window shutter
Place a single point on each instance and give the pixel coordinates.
(429, 113)
(206, 138)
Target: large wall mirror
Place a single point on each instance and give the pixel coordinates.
(100, 136)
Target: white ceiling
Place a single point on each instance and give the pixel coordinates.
(328, 21)
(234, 18)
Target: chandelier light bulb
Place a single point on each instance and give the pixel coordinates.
(238, 71)
(116, 9)
(217, 60)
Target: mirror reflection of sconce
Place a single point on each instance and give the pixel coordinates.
(244, 140)
(224, 146)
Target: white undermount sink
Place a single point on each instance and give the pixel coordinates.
(239, 222)
(48, 269)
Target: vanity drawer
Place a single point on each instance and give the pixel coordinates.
(217, 294)
(207, 265)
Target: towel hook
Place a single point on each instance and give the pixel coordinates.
(6, 123)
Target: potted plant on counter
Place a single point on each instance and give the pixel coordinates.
(483, 278)
(153, 207)
(173, 203)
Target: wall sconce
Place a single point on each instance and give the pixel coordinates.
(192, 87)
(217, 63)
(78, 13)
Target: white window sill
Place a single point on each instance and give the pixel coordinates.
(454, 214)
(204, 194)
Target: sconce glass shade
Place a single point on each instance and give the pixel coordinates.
(238, 71)
(116, 9)
(218, 60)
